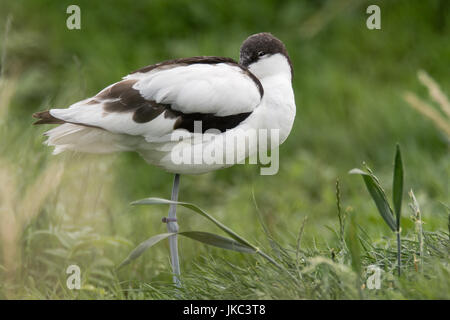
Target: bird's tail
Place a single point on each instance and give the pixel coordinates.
(69, 136)
(46, 118)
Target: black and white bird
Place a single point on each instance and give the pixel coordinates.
(147, 108)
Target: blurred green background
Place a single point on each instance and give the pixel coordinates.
(349, 84)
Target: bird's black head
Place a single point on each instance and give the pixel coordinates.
(259, 46)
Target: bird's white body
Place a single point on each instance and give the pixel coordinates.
(221, 90)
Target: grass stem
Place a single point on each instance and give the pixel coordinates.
(399, 253)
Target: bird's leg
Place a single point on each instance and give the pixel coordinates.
(172, 226)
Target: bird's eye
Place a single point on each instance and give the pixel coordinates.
(261, 53)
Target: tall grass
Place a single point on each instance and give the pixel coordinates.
(391, 217)
(441, 115)
(40, 215)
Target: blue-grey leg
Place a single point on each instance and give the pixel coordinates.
(172, 226)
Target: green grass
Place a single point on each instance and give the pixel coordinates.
(349, 84)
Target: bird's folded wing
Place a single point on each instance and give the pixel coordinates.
(156, 100)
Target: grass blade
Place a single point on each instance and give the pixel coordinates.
(144, 246)
(397, 188)
(378, 197)
(354, 249)
(204, 237)
(354, 245)
(217, 241)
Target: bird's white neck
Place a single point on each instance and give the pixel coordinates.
(273, 65)
(277, 109)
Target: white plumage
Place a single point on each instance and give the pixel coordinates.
(220, 89)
